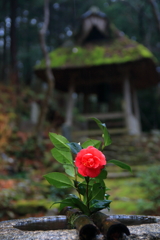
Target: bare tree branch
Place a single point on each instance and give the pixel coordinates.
(49, 75)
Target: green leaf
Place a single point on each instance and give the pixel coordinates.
(92, 142)
(80, 176)
(102, 175)
(75, 202)
(59, 142)
(100, 125)
(82, 188)
(59, 180)
(96, 205)
(62, 156)
(98, 191)
(75, 147)
(107, 139)
(106, 136)
(90, 186)
(69, 169)
(106, 196)
(120, 164)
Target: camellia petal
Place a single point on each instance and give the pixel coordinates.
(90, 161)
(82, 171)
(93, 172)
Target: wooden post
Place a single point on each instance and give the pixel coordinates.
(34, 112)
(137, 111)
(70, 104)
(131, 121)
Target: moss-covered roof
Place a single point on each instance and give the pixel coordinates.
(118, 51)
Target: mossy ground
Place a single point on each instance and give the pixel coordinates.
(125, 194)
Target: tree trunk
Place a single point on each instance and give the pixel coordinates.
(4, 54)
(13, 50)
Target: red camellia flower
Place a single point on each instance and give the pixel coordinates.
(90, 161)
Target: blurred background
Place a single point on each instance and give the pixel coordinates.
(27, 115)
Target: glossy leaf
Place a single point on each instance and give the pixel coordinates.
(107, 139)
(81, 188)
(59, 142)
(106, 135)
(62, 156)
(120, 164)
(59, 180)
(99, 123)
(103, 174)
(75, 202)
(92, 142)
(98, 191)
(69, 169)
(74, 147)
(97, 205)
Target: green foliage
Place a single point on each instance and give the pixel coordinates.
(97, 205)
(91, 191)
(62, 156)
(69, 169)
(92, 142)
(150, 182)
(59, 180)
(120, 164)
(59, 142)
(75, 147)
(75, 202)
(102, 175)
(106, 136)
(98, 191)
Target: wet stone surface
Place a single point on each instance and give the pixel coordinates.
(9, 232)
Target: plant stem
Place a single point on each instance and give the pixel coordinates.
(87, 192)
(76, 183)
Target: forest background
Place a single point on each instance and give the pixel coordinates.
(21, 21)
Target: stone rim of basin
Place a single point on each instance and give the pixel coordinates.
(8, 231)
(60, 222)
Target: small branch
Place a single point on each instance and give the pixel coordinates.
(49, 75)
(87, 192)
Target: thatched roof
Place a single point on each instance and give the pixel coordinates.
(100, 53)
(121, 50)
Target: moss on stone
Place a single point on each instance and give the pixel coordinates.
(121, 50)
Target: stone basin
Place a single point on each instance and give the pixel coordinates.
(147, 231)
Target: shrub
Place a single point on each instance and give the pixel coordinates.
(150, 182)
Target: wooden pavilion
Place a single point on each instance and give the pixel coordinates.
(102, 60)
